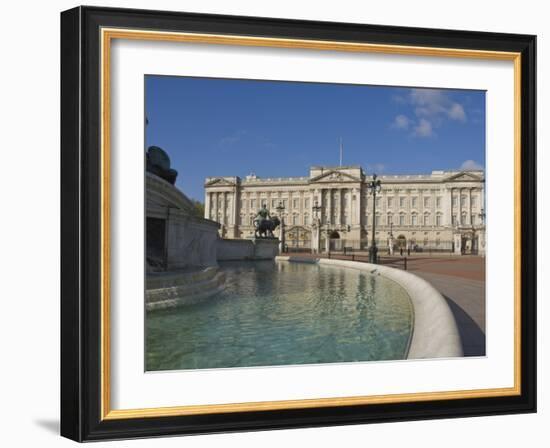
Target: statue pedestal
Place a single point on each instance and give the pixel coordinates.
(265, 248)
(249, 249)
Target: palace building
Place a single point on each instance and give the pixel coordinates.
(333, 208)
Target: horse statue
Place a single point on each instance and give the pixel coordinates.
(265, 227)
(264, 224)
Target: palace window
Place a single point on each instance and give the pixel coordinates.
(401, 219)
(274, 204)
(295, 203)
(306, 219)
(463, 221)
(426, 219)
(377, 220)
(390, 202)
(378, 201)
(454, 220)
(455, 199)
(414, 219)
(438, 202)
(413, 200)
(306, 203)
(252, 203)
(390, 219)
(474, 201)
(285, 202)
(295, 219)
(473, 220)
(426, 202)
(463, 199)
(401, 202)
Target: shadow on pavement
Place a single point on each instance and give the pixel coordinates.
(472, 336)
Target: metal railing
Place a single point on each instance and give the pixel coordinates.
(395, 262)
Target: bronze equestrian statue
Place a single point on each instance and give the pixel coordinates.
(264, 224)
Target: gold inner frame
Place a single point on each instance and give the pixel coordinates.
(107, 35)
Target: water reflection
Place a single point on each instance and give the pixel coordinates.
(283, 313)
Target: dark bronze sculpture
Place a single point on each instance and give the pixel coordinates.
(158, 163)
(264, 224)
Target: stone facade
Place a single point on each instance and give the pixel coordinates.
(442, 211)
(176, 238)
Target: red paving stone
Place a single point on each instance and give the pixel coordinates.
(465, 266)
(468, 267)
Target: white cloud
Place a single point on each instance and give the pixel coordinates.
(470, 165)
(376, 168)
(232, 139)
(436, 104)
(431, 108)
(456, 112)
(423, 128)
(401, 122)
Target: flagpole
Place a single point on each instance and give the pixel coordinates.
(341, 151)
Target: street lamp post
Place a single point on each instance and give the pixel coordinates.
(374, 187)
(317, 209)
(280, 210)
(390, 239)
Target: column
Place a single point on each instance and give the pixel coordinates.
(217, 207)
(338, 205)
(301, 207)
(459, 214)
(329, 206)
(470, 206)
(207, 205)
(450, 222)
(235, 212)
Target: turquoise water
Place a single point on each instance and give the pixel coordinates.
(283, 313)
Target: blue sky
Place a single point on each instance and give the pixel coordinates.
(222, 127)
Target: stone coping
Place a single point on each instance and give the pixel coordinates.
(435, 333)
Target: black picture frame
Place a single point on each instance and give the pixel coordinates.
(81, 224)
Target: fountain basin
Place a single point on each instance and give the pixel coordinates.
(285, 312)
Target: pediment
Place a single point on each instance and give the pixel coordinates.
(219, 182)
(464, 176)
(334, 176)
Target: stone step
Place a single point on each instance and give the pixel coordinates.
(189, 293)
(170, 279)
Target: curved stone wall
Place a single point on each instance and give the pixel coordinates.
(435, 334)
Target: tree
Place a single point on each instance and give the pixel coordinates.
(198, 208)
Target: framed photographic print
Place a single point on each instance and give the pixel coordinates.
(274, 223)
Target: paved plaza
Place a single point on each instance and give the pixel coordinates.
(461, 280)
